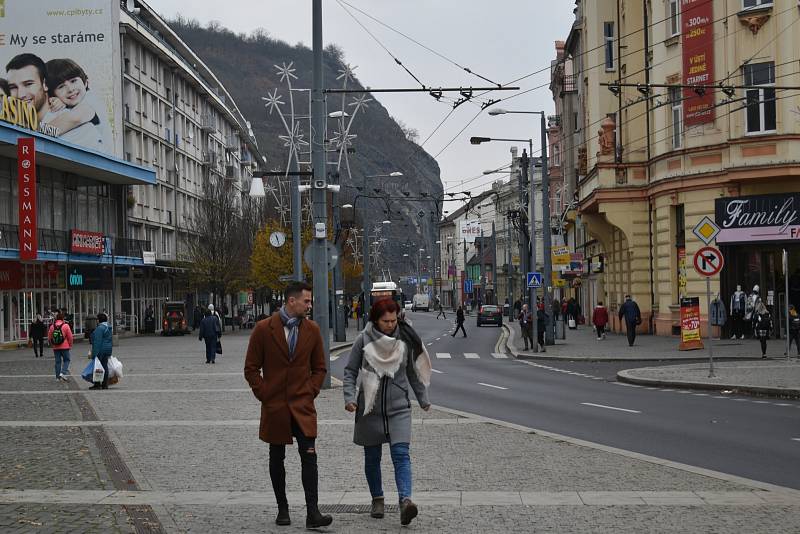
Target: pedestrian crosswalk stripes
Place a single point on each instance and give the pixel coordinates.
(472, 355)
(499, 355)
(443, 355)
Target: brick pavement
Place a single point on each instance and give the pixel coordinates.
(187, 433)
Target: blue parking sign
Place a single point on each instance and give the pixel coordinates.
(534, 280)
(467, 286)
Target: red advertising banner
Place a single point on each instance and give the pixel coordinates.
(10, 275)
(690, 324)
(82, 242)
(26, 180)
(697, 19)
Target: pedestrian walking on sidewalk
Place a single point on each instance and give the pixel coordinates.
(573, 312)
(37, 333)
(210, 333)
(762, 325)
(388, 359)
(541, 319)
(102, 345)
(600, 320)
(525, 318)
(794, 328)
(285, 367)
(60, 338)
(460, 321)
(441, 309)
(633, 318)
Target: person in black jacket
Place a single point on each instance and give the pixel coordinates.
(460, 321)
(37, 333)
(633, 317)
(210, 333)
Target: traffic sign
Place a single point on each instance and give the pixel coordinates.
(708, 261)
(421, 214)
(331, 255)
(534, 280)
(286, 278)
(706, 230)
(467, 286)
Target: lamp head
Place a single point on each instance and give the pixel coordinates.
(497, 111)
(479, 140)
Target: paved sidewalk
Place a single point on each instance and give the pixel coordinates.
(778, 377)
(174, 448)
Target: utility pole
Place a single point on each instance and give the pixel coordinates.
(532, 218)
(494, 263)
(546, 228)
(297, 232)
(319, 188)
(365, 270)
(338, 277)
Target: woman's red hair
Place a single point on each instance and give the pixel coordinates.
(381, 306)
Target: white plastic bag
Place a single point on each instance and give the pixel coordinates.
(99, 373)
(571, 323)
(114, 367)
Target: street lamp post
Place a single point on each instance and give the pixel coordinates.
(547, 231)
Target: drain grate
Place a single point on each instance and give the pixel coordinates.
(144, 519)
(354, 508)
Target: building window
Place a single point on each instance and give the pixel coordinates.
(676, 106)
(674, 18)
(760, 107)
(556, 155)
(756, 3)
(608, 33)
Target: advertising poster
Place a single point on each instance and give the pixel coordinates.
(697, 20)
(470, 229)
(61, 59)
(681, 272)
(690, 324)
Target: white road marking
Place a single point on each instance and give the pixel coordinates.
(437, 371)
(499, 355)
(795, 439)
(472, 355)
(782, 404)
(443, 355)
(431, 343)
(609, 407)
(490, 386)
(438, 338)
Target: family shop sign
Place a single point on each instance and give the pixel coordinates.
(26, 182)
(758, 218)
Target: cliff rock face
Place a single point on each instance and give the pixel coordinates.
(246, 66)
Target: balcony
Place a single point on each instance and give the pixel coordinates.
(207, 123)
(568, 85)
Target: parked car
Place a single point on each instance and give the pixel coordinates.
(408, 305)
(489, 314)
(174, 319)
(421, 301)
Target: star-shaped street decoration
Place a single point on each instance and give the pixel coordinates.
(347, 74)
(360, 101)
(273, 101)
(286, 72)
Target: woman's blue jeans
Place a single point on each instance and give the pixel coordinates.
(402, 469)
(62, 361)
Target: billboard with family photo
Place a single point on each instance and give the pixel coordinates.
(63, 61)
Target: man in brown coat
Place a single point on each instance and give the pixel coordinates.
(285, 367)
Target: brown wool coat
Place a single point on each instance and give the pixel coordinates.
(286, 389)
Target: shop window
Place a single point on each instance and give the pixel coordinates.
(760, 108)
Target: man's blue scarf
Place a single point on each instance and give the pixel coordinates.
(293, 324)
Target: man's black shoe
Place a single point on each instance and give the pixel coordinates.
(315, 520)
(283, 518)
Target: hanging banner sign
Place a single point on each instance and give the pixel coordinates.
(82, 242)
(560, 255)
(697, 20)
(470, 230)
(26, 181)
(690, 324)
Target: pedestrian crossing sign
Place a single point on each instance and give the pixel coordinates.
(534, 280)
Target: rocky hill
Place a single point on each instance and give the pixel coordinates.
(246, 66)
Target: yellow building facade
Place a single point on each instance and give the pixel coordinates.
(658, 156)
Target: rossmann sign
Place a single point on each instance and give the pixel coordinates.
(83, 242)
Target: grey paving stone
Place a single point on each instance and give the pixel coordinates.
(27, 517)
(38, 407)
(48, 458)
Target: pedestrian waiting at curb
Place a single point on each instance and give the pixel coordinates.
(210, 333)
(633, 317)
(388, 359)
(794, 328)
(600, 320)
(525, 318)
(459, 321)
(60, 338)
(762, 325)
(285, 367)
(102, 345)
(37, 333)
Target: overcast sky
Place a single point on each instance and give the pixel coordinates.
(499, 39)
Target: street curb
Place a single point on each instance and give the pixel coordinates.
(754, 484)
(626, 375)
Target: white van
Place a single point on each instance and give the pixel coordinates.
(421, 301)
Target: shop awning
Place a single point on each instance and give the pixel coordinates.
(67, 157)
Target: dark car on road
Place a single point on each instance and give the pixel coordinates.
(174, 319)
(490, 315)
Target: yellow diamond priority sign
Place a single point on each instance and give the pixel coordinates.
(706, 230)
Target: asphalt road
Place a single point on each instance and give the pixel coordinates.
(745, 436)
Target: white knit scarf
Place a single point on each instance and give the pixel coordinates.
(383, 356)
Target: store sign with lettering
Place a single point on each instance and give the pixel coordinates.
(82, 242)
(690, 324)
(10, 275)
(470, 230)
(26, 181)
(758, 218)
(697, 21)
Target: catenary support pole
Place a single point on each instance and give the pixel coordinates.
(708, 322)
(532, 230)
(547, 278)
(320, 211)
(297, 241)
(786, 302)
(338, 276)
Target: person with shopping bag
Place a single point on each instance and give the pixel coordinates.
(210, 332)
(102, 343)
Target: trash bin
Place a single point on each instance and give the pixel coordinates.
(507, 310)
(560, 331)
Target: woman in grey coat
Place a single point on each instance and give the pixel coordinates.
(387, 360)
